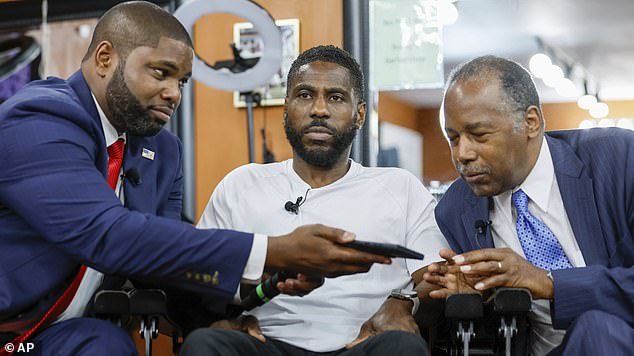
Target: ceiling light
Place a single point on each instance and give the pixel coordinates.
(566, 88)
(447, 12)
(606, 123)
(587, 124)
(553, 75)
(539, 64)
(599, 110)
(587, 101)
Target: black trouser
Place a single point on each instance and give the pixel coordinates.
(221, 342)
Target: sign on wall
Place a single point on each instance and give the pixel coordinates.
(405, 45)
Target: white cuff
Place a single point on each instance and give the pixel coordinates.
(252, 273)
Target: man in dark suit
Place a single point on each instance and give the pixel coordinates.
(62, 144)
(552, 212)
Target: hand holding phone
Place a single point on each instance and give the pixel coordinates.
(384, 249)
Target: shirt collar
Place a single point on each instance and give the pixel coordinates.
(539, 181)
(352, 171)
(110, 133)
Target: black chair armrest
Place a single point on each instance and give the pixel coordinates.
(507, 301)
(464, 307)
(109, 303)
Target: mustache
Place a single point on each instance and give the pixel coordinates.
(469, 170)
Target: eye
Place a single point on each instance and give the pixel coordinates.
(304, 95)
(161, 73)
(181, 83)
(337, 98)
(480, 136)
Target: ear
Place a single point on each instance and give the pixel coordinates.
(105, 58)
(285, 107)
(533, 121)
(361, 110)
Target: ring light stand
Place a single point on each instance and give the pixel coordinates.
(244, 82)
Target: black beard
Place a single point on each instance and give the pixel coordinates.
(326, 156)
(126, 112)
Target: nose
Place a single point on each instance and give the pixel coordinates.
(464, 151)
(320, 107)
(171, 92)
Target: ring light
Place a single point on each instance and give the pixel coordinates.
(269, 62)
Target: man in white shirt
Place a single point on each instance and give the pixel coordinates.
(559, 207)
(324, 107)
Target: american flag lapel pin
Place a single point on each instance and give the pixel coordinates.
(149, 154)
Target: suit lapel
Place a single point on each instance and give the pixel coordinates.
(476, 209)
(577, 193)
(140, 197)
(79, 85)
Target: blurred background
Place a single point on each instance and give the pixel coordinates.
(582, 69)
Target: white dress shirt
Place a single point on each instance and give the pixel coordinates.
(545, 204)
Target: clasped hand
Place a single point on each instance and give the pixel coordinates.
(481, 270)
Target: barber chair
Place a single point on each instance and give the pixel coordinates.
(497, 326)
(150, 305)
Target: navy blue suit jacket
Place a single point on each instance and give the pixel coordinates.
(595, 172)
(57, 210)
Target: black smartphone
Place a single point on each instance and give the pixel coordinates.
(384, 249)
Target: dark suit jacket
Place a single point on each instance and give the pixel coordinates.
(595, 173)
(57, 211)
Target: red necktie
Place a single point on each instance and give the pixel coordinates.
(115, 159)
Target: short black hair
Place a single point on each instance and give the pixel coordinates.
(133, 24)
(331, 54)
(518, 88)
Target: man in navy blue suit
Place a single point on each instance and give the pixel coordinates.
(551, 212)
(61, 144)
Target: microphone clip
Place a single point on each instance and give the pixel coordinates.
(481, 226)
(133, 176)
(293, 208)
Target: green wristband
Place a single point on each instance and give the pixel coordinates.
(260, 293)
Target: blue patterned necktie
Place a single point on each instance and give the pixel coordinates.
(540, 245)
